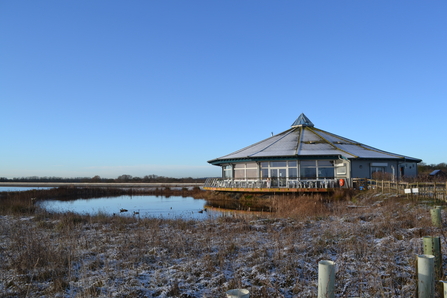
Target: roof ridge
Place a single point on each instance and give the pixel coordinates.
(330, 143)
(298, 145)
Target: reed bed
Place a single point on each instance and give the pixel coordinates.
(372, 238)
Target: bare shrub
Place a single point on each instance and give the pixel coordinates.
(301, 206)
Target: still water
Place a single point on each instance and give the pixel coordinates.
(20, 188)
(142, 206)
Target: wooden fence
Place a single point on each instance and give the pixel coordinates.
(432, 189)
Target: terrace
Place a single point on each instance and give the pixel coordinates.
(280, 184)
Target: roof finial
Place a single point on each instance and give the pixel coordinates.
(302, 121)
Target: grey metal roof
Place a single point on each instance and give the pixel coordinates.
(437, 173)
(434, 172)
(304, 140)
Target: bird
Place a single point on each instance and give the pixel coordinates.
(123, 210)
(136, 212)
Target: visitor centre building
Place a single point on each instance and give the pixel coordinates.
(305, 158)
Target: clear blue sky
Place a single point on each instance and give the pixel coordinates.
(160, 87)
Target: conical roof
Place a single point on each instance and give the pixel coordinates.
(302, 120)
(304, 140)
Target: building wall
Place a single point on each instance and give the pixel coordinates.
(356, 168)
(362, 168)
(409, 169)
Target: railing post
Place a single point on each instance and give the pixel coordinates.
(326, 279)
(426, 278)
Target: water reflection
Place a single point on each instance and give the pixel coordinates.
(143, 206)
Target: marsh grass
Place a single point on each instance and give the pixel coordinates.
(372, 238)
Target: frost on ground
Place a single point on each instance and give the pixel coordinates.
(374, 243)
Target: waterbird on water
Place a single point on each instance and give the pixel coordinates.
(123, 210)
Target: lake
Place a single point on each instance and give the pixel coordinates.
(146, 206)
(20, 188)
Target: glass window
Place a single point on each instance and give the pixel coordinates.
(293, 173)
(227, 172)
(341, 170)
(378, 169)
(325, 173)
(292, 163)
(324, 163)
(252, 165)
(264, 164)
(239, 166)
(309, 173)
(239, 174)
(278, 164)
(252, 173)
(325, 169)
(264, 173)
(308, 163)
(283, 173)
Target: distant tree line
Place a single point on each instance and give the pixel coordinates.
(122, 178)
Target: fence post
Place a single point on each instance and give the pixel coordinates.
(432, 246)
(434, 191)
(426, 278)
(326, 279)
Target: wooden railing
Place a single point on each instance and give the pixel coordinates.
(432, 189)
(277, 182)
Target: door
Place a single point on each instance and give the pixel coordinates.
(278, 177)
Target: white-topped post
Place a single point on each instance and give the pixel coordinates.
(238, 293)
(326, 279)
(426, 276)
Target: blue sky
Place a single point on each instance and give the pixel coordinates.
(160, 87)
